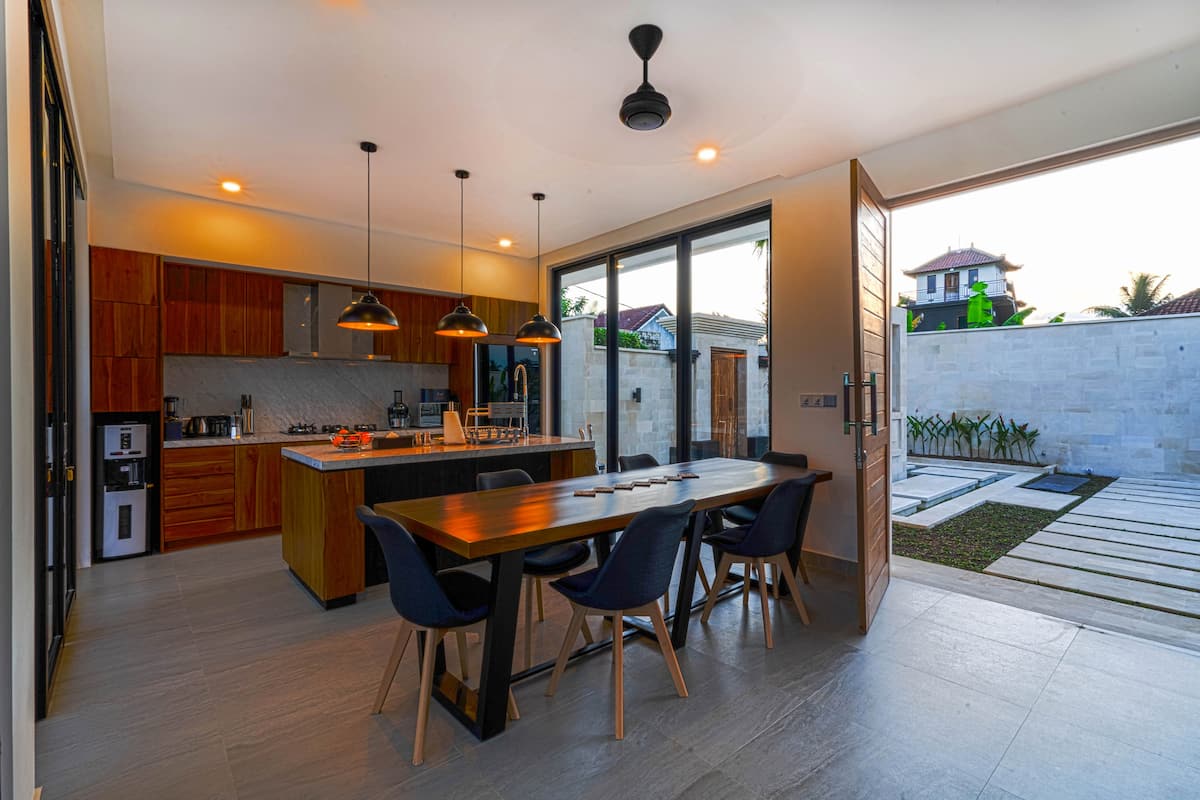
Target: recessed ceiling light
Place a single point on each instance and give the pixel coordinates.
(231, 186)
(505, 242)
(706, 154)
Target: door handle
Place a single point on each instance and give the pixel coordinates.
(846, 423)
(874, 384)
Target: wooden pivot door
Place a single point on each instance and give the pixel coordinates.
(871, 234)
(728, 400)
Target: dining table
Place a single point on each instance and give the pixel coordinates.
(500, 525)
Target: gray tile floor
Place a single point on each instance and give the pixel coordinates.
(209, 674)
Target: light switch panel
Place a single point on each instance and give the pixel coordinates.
(818, 401)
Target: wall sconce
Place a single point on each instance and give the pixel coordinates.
(637, 395)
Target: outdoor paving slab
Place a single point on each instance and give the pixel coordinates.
(1173, 531)
(1132, 552)
(1148, 540)
(1174, 491)
(935, 515)
(959, 472)
(929, 489)
(1108, 587)
(1152, 499)
(1182, 484)
(904, 505)
(1140, 512)
(1031, 498)
(1107, 565)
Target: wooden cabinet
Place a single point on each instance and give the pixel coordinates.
(198, 487)
(124, 331)
(415, 342)
(502, 317)
(221, 312)
(257, 469)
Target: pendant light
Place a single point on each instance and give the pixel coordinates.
(461, 322)
(539, 330)
(368, 314)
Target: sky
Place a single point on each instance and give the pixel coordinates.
(1077, 233)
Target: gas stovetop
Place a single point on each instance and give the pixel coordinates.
(309, 429)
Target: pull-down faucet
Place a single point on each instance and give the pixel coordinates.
(521, 378)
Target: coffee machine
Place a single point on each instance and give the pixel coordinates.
(172, 424)
(125, 511)
(398, 411)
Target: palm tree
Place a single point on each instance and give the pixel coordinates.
(1144, 293)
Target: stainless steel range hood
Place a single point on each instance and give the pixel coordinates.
(310, 329)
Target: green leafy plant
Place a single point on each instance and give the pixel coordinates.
(1020, 317)
(941, 326)
(979, 307)
(1057, 318)
(572, 307)
(627, 339)
(1144, 293)
(979, 437)
(913, 322)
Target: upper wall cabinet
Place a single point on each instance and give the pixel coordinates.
(221, 312)
(123, 276)
(502, 317)
(415, 342)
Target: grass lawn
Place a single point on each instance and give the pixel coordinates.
(977, 538)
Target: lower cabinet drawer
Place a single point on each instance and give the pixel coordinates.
(197, 514)
(198, 529)
(192, 499)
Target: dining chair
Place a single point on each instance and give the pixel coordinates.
(636, 573)
(432, 604)
(744, 513)
(540, 564)
(767, 540)
(646, 461)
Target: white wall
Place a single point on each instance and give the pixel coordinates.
(17, 483)
(134, 217)
(1120, 397)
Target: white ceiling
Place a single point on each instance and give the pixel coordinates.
(278, 93)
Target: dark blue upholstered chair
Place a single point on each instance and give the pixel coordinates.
(434, 603)
(646, 461)
(744, 514)
(632, 578)
(767, 540)
(542, 563)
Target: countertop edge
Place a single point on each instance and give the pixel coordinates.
(377, 458)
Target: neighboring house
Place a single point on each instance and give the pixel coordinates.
(646, 322)
(944, 284)
(1185, 304)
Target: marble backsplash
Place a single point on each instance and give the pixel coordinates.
(289, 390)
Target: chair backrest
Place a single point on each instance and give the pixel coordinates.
(416, 593)
(638, 570)
(639, 461)
(781, 520)
(502, 479)
(786, 459)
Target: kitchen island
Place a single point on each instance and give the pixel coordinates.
(324, 544)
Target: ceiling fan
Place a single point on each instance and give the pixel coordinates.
(645, 109)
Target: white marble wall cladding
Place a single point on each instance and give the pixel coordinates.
(288, 390)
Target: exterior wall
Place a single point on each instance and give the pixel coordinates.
(899, 387)
(954, 313)
(990, 274)
(1120, 397)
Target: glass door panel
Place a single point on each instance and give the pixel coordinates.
(499, 379)
(731, 374)
(583, 357)
(646, 363)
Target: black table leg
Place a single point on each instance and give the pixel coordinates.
(604, 543)
(496, 670)
(693, 540)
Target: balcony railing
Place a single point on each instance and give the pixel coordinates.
(996, 288)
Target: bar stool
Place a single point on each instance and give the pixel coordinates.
(767, 540)
(432, 604)
(542, 563)
(745, 513)
(647, 461)
(632, 578)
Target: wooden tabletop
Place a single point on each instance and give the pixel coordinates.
(478, 524)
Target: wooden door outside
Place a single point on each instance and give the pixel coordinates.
(728, 415)
(952, 291)
(871, 235)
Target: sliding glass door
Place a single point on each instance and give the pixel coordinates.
(668, 341)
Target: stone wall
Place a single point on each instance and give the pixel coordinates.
(1120, 397)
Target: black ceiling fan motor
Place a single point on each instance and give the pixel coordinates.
(645, 109)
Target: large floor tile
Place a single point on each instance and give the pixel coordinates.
(1137, 660)
(1003, 623)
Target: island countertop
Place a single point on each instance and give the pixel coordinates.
(327, 458)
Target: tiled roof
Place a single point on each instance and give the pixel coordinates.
(631, 319)
(966, 257)
(1185, 304)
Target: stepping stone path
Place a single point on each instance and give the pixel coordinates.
(931, 489)
(1136, 541)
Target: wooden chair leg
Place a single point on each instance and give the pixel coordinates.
(389, 672)
(564, 652)
(529, 582)
(700, 573)
(747, 575)
(775, 579)
(667, 602)
(793, 588)
(766, 606)
(803, 571)
(432, 638)
(460, 638)
(668, 650)
(541, 608)
(513, 713)
(587, 631)
(722, 571)
(619, 674)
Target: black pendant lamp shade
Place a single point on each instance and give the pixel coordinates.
(539, 330)
(368, 314)
(461, 322)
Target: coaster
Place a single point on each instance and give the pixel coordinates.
(658, 480)
(688, 475)
(585, 492)
(603, 490)
(641, 482)
(674, 478)
(623, 486)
